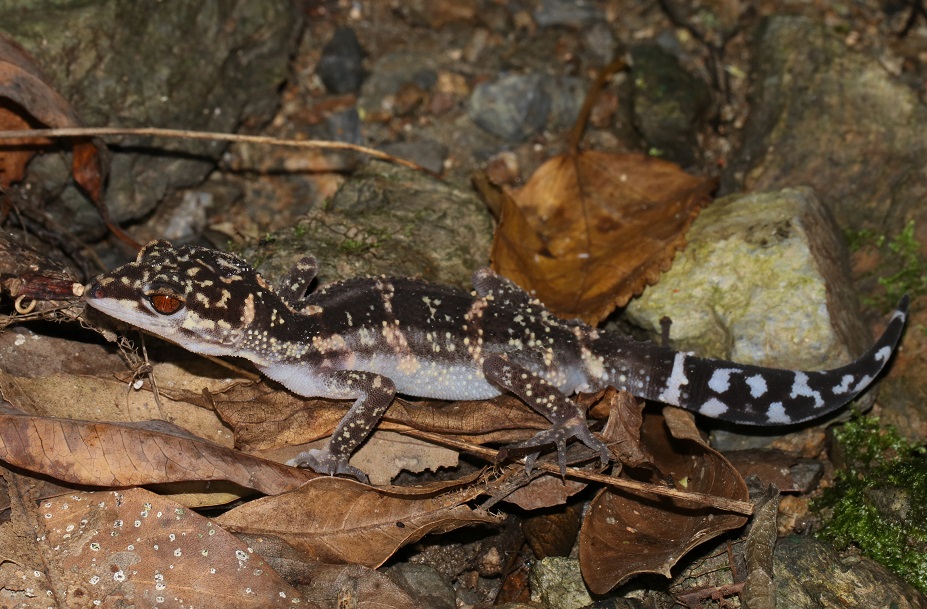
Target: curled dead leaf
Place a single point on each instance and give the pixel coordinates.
(590, 230)
(626, 533)
(27, 101)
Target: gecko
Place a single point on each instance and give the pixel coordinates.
(367, 339)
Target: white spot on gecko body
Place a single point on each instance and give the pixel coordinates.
(883, 354)
(671, 394)
(844, 385)
(757, 385)
(776, 413)
(720, 380)
(862, 384)
(713, 407)
(800, 388)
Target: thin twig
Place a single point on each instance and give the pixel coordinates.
(722, 503)
(209, 136)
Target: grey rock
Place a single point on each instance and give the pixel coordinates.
(556, 582)
(386, 220)
(670, 105)
(424, 584)
(599, 42)
(832, 118)
(809, 574)
(344, 126)
(341, 66)
(566, 94)
(207, 66)
(427, 153)
(574, 13)
(389, 73)
(514, 107)
(892, 502)
(763, 280)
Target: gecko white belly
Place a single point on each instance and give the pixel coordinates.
(420, 379)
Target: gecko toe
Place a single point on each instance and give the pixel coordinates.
(558, 435)
(322, 462)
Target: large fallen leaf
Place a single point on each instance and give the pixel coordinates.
(591, 229)
(626, 533)
(130, 454)
(69, 394)
(264, 417)
(136, 548)
(342, 521)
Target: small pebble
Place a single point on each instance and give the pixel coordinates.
(341, 65)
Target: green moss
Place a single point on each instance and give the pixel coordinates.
(353, 246)
(879, 463)
(903, 269)
(911, 278)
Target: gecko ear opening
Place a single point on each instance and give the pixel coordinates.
(165, 304)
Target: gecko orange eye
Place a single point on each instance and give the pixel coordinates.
(165, 304)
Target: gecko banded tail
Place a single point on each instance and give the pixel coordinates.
(754, 395)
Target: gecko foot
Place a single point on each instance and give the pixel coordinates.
(558, 435)
(321, 461)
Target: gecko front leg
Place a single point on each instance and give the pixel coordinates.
(294, 287)
(373, 394)
(567, 420)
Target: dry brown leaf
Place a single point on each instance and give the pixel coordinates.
(626, 533)
(553, 534)
(265, 418)
(34, 100)
(28, 100)
(136, 548)
(386, 453)
(130, 454)
(592, 229)
(23, 588)
(502, 420)
(356, 586)
(622, 432)
(788, 472)
(338, 586)
(342, 521)
(547, 490)
(201, 493)
(78, 396)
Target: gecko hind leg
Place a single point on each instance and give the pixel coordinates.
(567, 420)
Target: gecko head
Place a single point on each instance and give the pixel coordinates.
(201, 299)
